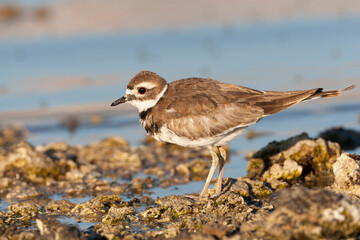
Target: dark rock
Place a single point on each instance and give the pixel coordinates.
(348, 139)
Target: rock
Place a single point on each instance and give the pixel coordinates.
(96, 208)
(347, 174)
(215, 229)
(278, 184)
(199, 169)
(297, 159)
(255, 167)
(22, 192)
(151, 214)
(248, 208)
(276, 147)
(258, 189)
(108, 231)
(25, 162)
(113, 142)
(117, 215)
(158, 171)
(11, 231)
(348, 139)
(59, 207)
(240, 187)
(69, 233)
(175, 205)
(111, 154)
(24, 210)
(74, 175)
(183, 170)
(303, 213)
(290, 170)
(139, 185)
(51, 228)
(11, 135)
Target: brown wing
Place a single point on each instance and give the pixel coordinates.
(273, 102)
(205, 107)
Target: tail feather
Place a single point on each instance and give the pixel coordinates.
(323, 94)
(273, 102)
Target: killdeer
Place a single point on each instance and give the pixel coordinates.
(198, 112)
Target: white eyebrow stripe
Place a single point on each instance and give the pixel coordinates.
(148, 85)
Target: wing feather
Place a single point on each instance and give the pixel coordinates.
(198, 108)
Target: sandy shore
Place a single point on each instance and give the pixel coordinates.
(76, 17)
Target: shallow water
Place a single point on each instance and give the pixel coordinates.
(50, 72)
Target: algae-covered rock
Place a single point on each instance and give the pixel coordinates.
(25, 162)
(296, 159)
(303, 213)
(111, 154)
(117, 215)
(290, 170)
(175, 205)
(151, 214)
(240, 186)
(23, 211)
(258, 189)
(59, 207)
(96, 208)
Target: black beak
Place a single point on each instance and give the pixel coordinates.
(119, 101)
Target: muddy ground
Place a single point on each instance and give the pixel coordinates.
(299, 188)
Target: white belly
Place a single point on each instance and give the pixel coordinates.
(166, 135)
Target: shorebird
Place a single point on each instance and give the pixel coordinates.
(202, 112)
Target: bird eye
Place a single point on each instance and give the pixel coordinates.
(142, 90)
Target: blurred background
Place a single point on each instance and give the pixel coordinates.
(62, 62)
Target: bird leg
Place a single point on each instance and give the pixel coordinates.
(221, 170)
(214, 164)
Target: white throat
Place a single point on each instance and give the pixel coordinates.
(146, 104)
